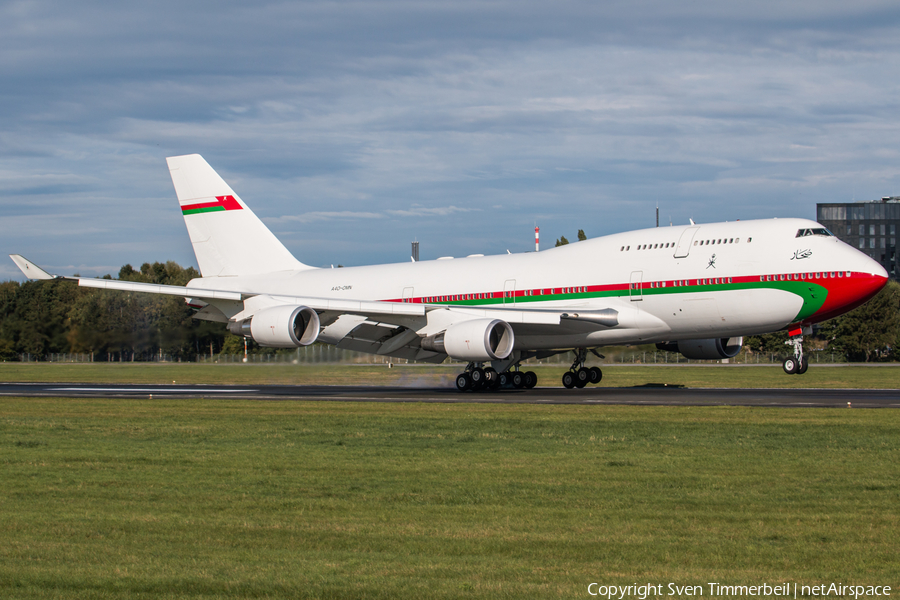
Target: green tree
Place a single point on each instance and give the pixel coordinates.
(233, 344)
(40, 317)
(768, 343)
(562, 240)
(34, 315)
(7, 351)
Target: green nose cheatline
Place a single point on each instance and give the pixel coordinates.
(813, 295)
(221, 203)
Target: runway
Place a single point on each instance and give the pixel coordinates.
(649, 395)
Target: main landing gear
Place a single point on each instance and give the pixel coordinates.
(578, 375)
(477, 377)
(798, 363)
(505, 374)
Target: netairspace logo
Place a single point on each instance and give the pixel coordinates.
(781, 590)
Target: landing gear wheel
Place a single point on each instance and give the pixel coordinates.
(596, 374)
(478, 378)
(505, 379)
(798, 363)
(530, 380)
(518, 380)
(491, 379)
(568, 380)
(791, 365)
(582, 377)
(463, 382)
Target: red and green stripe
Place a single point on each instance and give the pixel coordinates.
(814, 294)
(221, 203)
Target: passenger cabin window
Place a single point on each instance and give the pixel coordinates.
(818, 231)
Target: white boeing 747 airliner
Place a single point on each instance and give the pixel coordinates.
(695, 289)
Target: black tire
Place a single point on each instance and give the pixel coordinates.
(804, 365)
(504, 379)
(491, 379)
(463, 382)
(596, 374)
(530, 380)
(582, 377)
(478, 378)
(518, 380)
(790, 365)
(568, 380)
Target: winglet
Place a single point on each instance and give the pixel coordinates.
(31, 270)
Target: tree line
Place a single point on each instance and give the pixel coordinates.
(39, 318)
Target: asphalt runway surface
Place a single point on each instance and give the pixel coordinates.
(649, 395)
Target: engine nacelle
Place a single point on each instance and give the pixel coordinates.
(476, 340)
(281, 327)
(710, 349)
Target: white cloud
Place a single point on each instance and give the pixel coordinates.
(438, 211)
(312, 217)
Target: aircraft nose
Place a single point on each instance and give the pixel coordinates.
(865, 279)
(879, 271)
(872, 277)
(865, 283)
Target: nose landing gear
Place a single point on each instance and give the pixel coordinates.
(799, 362)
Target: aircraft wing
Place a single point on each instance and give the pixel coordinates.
(152, 288)
(386, 328)
(336, 307)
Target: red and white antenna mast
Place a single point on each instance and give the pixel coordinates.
(537, 238)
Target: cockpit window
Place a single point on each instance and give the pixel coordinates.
(818, 231)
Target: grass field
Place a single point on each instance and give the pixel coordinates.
(722, 376)
(237, 499)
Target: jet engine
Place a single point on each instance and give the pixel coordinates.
(710, 349)
(281, 326)
(476, 340)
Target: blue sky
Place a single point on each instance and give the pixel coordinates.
(352, 128)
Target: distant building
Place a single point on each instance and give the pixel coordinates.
(869, 226)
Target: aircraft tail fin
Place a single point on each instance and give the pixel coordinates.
(228, 239)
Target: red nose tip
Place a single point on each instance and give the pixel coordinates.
(846, 294)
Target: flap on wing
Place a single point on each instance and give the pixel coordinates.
(382, 338)
(356, 307)
(511, 315)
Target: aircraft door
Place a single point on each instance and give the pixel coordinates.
(685, 241)
(407, 294)
(509, 291)
(636, 290)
